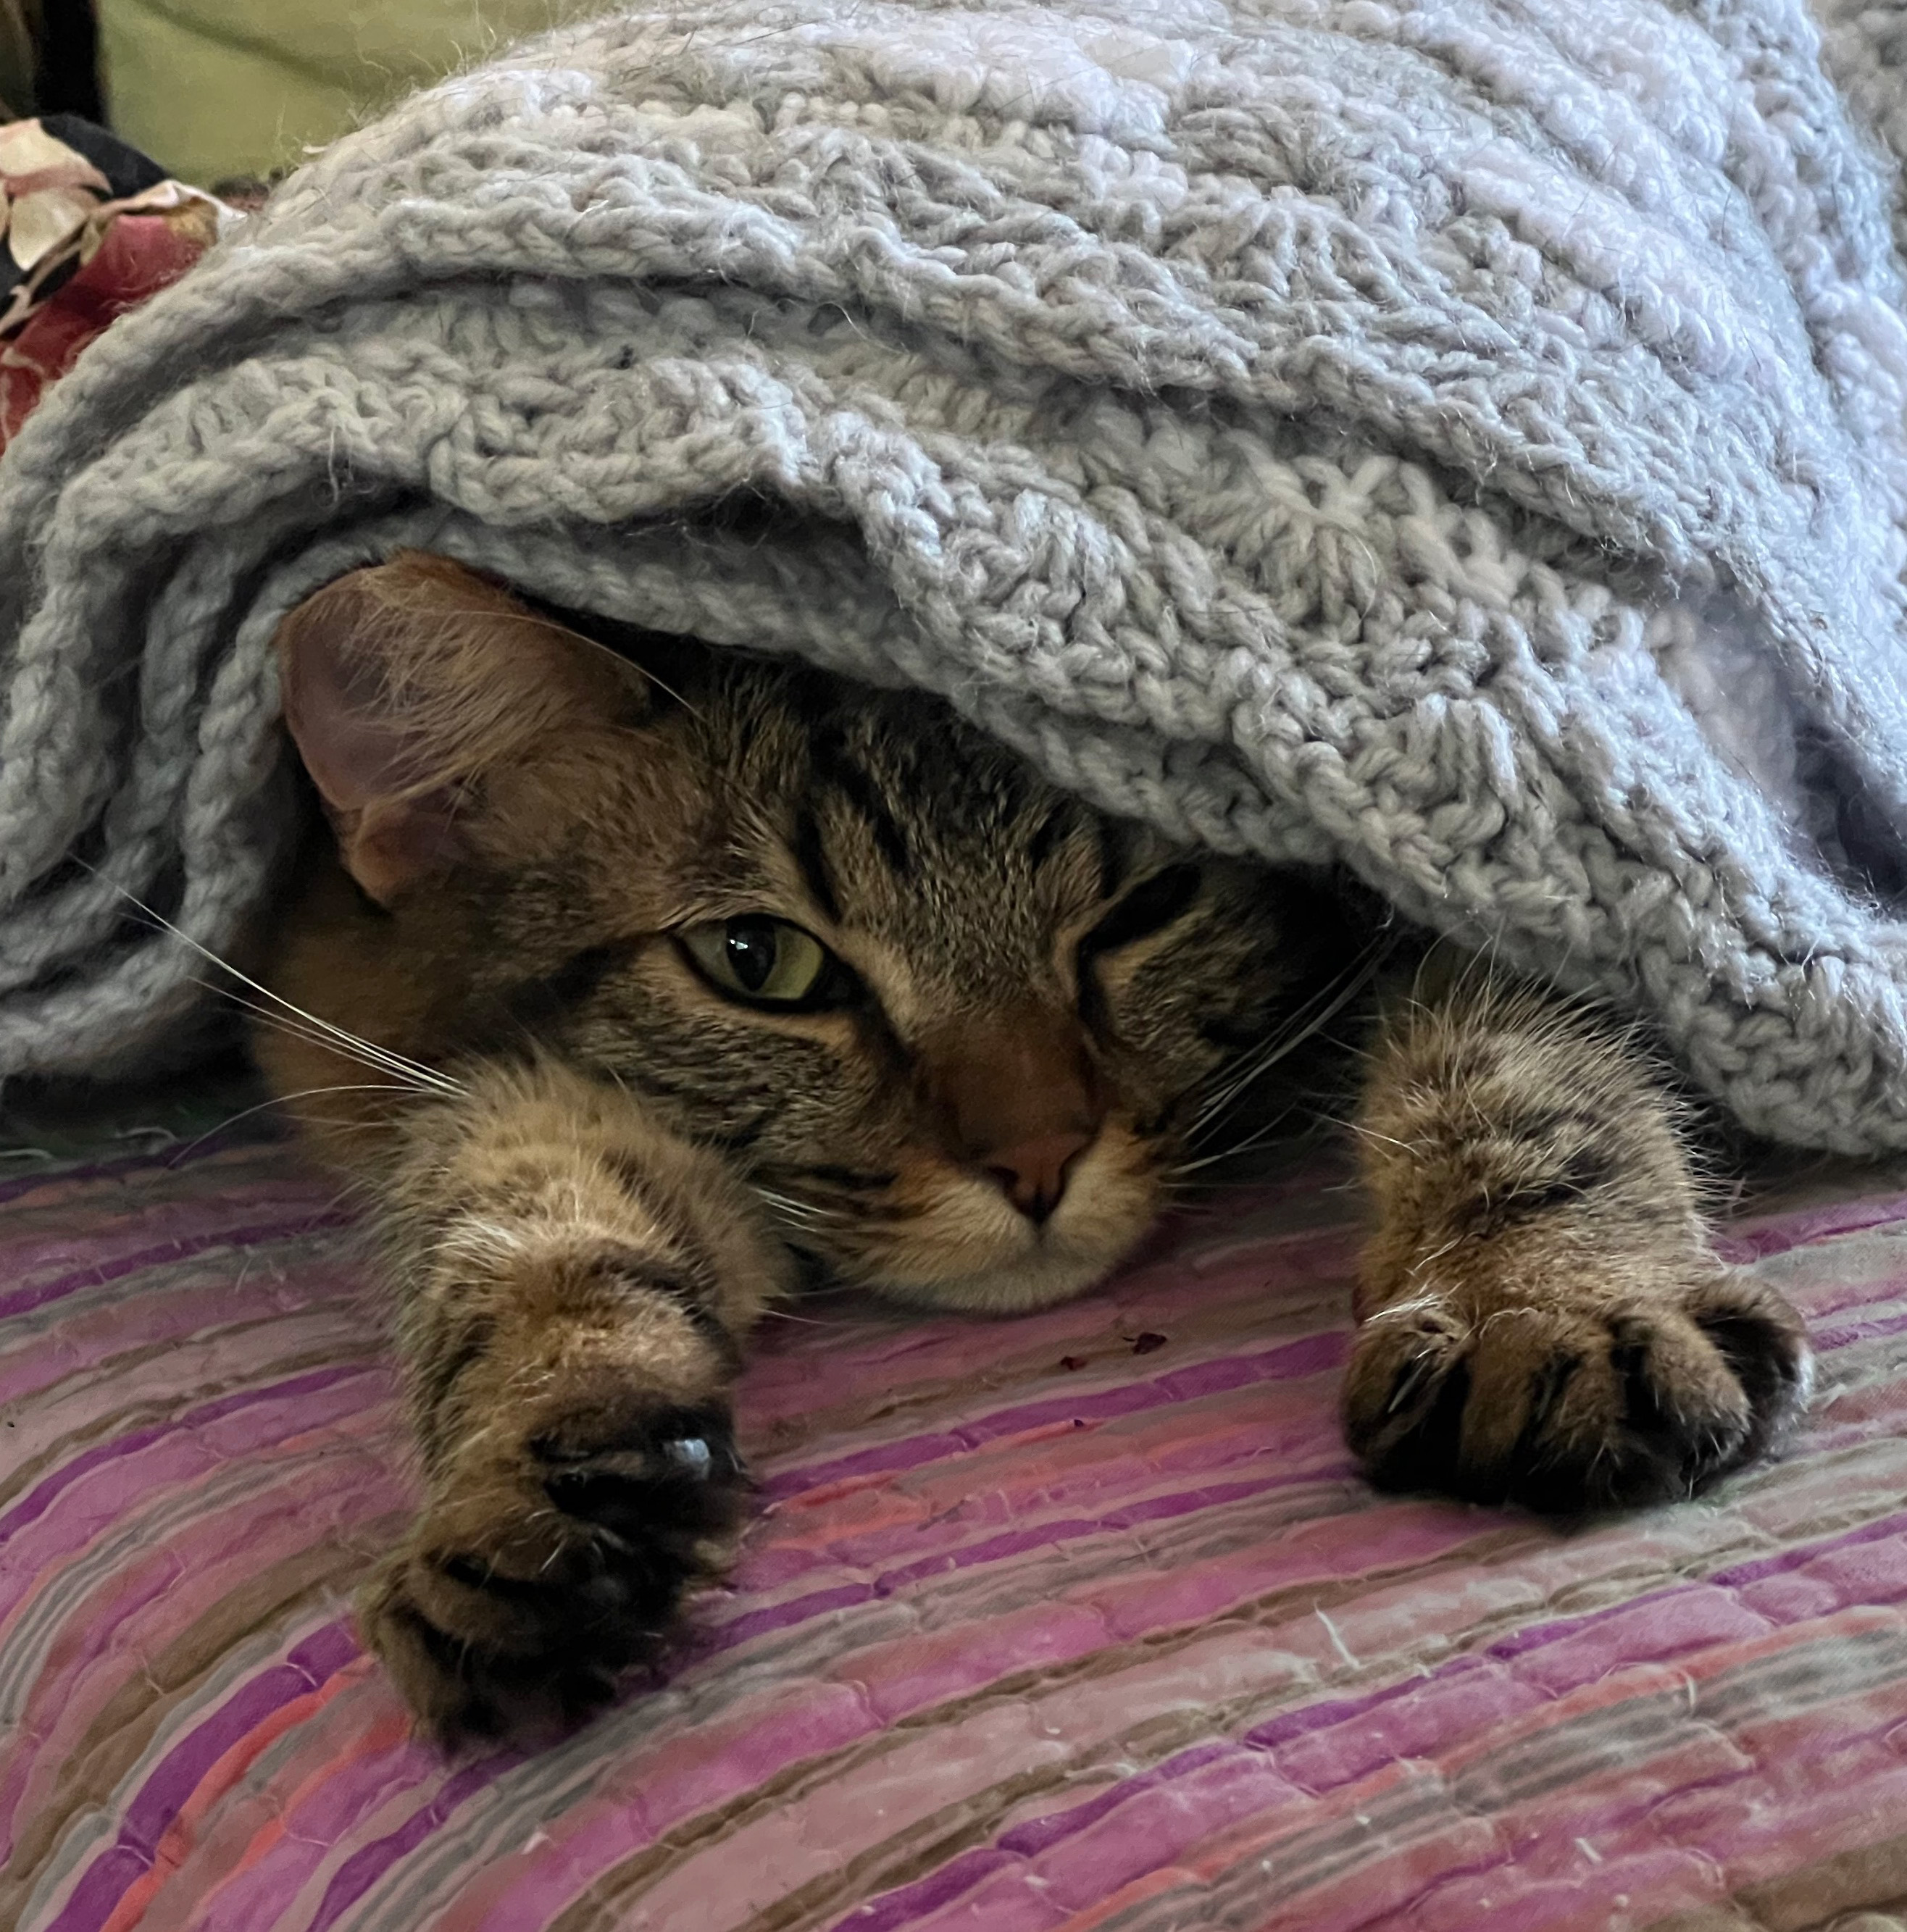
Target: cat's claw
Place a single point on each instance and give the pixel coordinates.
(1570, 1401)
(521, 1597)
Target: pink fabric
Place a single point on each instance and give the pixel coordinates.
(1039, 1627)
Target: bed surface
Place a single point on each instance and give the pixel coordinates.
(1081, 1620)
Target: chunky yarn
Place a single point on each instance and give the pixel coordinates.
(1465, 440)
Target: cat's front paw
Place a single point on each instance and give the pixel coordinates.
(1543, 1381)
(546, 1565)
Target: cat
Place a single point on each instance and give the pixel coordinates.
(640, 981)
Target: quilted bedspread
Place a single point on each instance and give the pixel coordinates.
(1081, 1620)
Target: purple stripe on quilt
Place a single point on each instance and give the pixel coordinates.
(764, 1622)
(41, 1498)
(177, 1775)
(959, 1876)
(797, 1610)
(1313, 1354)
(362, 1870)
(1042, 1833)
(1037, 1834)
(1761, 1240)
(911, 1903)
(183, 1248)
(1842, 1335)
(1876, 1531)
(1188, 1651)
(119, 1167)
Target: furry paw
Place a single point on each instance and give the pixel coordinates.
(1569, 1395)
(542, 1572)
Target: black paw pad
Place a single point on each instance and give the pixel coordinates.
(621, 1512)
(676, 1473)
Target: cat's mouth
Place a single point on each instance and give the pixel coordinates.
(942, 1236)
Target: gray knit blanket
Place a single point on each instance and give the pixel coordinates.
(1462, 440)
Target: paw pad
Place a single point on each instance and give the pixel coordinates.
(518, 1604)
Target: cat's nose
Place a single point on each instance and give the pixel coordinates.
(1032, 1173)
(1018, 1098)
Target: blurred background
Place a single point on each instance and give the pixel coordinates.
(216, 90)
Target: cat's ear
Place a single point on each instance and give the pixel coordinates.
(405, 684)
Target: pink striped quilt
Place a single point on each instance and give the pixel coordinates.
(1080, 1621)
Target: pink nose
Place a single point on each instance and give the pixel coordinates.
(1032, 1173)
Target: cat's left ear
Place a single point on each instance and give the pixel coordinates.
(405, 685)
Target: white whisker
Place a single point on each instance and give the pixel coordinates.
(1309, 1019)
(394, 1062)
(281, 1099)
(365, 1052)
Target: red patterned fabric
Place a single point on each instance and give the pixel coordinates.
(90, 232)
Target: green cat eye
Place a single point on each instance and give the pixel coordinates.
(760, 959)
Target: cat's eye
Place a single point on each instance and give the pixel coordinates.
(765, 960)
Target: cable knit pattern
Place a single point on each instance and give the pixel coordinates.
(1466, 440)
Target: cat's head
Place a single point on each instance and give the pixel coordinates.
(959, 1030)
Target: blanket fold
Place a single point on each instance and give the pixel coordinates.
(1464, 442)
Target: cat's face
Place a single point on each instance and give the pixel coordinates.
(959, 1030)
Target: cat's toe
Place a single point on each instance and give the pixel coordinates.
(1674, 1398)
(1763, 1344)
(518, 1601)
(1574, 1405)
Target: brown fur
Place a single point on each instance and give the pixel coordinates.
(1541, 1316)
(596, 1166)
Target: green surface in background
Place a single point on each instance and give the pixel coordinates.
(216, 88)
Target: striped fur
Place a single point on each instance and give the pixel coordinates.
(1017, 1031)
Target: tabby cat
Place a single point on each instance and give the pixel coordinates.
(645, 981)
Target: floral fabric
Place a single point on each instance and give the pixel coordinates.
(89, 228)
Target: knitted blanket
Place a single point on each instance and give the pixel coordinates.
(1464, 440)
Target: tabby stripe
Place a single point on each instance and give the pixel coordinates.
(862, 1180)
(466, 1346)
(1541, 1126)
(1580, 1174)
(736, 1139)
(1052, 830)
(554, 995)
(811, 857)
(858, 791)
(1112, 856)
(1151, 906)
(633, 1272)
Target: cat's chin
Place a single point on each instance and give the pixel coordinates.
(968, 1250)
(1006, 1291)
